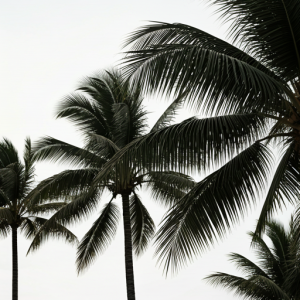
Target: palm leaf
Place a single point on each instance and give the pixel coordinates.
(267, 29)
(54, 150)
(212, 206)
(56, 230)
(142, 225)
(216, 75)
(169, 114)
(98, 237)
(284, 187)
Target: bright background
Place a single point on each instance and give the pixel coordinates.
(47, 47)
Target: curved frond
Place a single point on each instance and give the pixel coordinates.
(267, 29)
(169, 187)
(190, 145)
(54, 150)
(256, 287)
(212, 206)
(8, 153)
(216, 75)
(29, 166)
(55, 231)
(4, 229)
(169, 114)
(248, 267)
(98, 237)
(84, 113)
(142, 225)
(5, 215)
(284, 186)
(65, 185)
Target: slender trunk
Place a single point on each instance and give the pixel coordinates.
(128, 248)
(14, 263)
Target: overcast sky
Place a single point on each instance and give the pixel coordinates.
(47, 47)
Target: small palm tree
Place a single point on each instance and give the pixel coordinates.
(109, 113)
(276, 275)
(18, 208)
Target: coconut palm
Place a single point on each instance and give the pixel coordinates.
(110, 115)
(248, 92)
(276, 275)
(19, 210)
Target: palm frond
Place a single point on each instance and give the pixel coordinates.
(212, 206)
(48, 148)
(253, 288)
(8, 153)
(142, 225)
(190, 145)
(169, 114)
(168, 187)
(80, 207)
(216, 75)
(267, 29)
(65, 185)
(248, 267)
(29, 169)
(44, 233)
(284, 187)
(5, 215)
(4, 229)
(46, 208)
(98, 237)
(84, 114)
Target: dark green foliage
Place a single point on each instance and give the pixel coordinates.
(20, 206)
(276, 275)
(109, 114)
(249, 89)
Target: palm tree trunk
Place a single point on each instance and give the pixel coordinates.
(128, 248)
(14, 263)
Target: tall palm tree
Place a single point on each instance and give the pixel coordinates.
(110, 115)
(19, 210)
(250, 90)
(276, 275)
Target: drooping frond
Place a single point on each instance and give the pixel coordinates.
(284, 187)
(80, 207)
(56, 230)
(142, 225)
(212, 206)
(4, 229)
(98, 237)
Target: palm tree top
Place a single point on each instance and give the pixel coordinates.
(109, 113)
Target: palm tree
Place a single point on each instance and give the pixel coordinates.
(276, 275)
(18, 208)
(250, 90)
(110, 115)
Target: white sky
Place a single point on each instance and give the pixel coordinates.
(47, 47)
